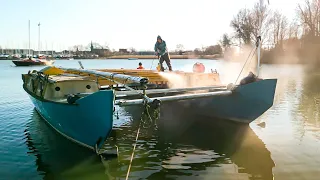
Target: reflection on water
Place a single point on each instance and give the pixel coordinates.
(191, 147)
(310, 104)
(57, 157)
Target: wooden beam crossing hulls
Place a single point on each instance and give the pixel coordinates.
(121, 78)
(172, 98)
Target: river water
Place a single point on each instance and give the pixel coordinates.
(287, 147)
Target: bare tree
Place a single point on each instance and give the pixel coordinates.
(293, 30)
(246, 24)
(279, 28)
(197, 51)
(309, 15)
(243, 26)
(260, 14)
(211, 50)
(133, 50)
(78, 48)
(226, 41)
(179, 47)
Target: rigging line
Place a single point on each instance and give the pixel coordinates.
(244, 66)
(251, 57)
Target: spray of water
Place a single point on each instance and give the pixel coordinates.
(189, 80)
(234, 62)
(229, 69)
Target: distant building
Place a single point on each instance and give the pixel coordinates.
(145, 53)
(123, 51)
(100, 52)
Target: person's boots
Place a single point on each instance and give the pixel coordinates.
(161, 68)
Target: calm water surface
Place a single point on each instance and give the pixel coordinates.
(288, 147)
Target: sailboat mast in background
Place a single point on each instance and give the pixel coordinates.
(29, 38)
(39, 40)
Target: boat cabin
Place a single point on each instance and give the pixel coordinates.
(58, 87)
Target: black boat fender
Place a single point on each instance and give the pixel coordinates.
(155, 104)
(72, 98)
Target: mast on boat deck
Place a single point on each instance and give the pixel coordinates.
(259, 37)
(111, 76)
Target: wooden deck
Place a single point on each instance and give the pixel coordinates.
(175, 79)
(162, 78)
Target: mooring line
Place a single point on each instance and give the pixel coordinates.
(135, 144)
(134, 148)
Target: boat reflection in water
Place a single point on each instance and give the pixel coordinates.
(194, 146)
(186, 148)
(57, 157)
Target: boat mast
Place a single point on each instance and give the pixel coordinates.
(259, 36)
(29, 38)
(39, 40)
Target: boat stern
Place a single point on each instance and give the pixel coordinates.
(245, 104)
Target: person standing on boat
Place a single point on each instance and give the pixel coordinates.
(161, 50)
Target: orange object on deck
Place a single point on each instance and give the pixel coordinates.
(198, 68)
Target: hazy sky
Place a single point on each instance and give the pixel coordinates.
(122, 23)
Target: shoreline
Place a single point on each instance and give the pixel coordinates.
(213, 57)
(137, 57)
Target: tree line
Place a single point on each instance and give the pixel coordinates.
(283, 40)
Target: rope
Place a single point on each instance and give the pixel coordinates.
(134, 148)
(135, 144)
(251, 58)
(137, 136)
(245, 63)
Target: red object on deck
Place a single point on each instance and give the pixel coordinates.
(198, 68)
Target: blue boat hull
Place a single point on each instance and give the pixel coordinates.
(245, 104)
(85, 122)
